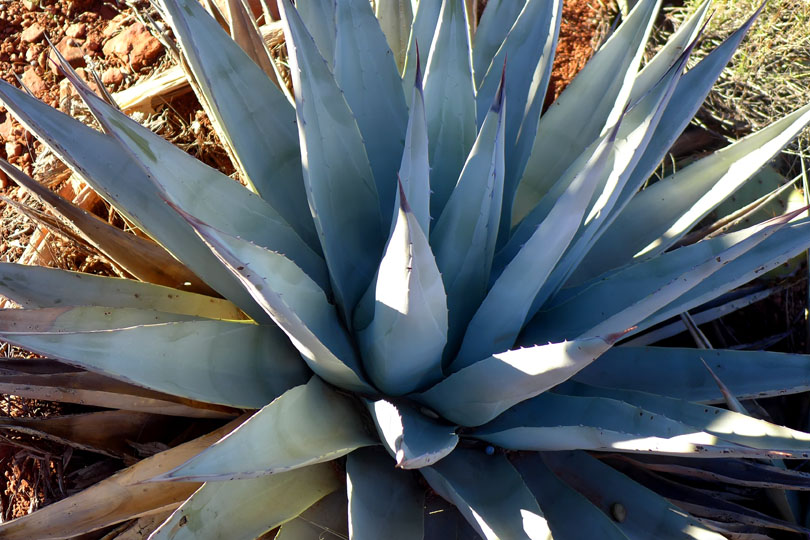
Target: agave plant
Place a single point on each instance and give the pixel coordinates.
(423, 274)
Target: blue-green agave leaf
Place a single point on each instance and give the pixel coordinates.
(593, 165)
(123, 183)
(40, 287)
(628, 137)
(634, 133)
(196, 188)
(464, 236)
(636, 129)
(414, 170)
(383, 502)
(774, 441)
(343, 199)
(670, 53)
(366, 71)
(246, 509)
(637, 511)
(662, 283)
(412, 438)
(480, 392)
(85, 319)
(501, 315)
(319, 19)
(669, 208)
(554, 422)
(785, 244)
(449, 102)
(251, 114)
(255, 220)
(594, 101)
(229, 363)
(296, 303)
(325, 520)
(425, 21)
(767, 256)
(529, 48)
(495, 24)
(501, 507)
(679, 373)
(687, 99)
(561, 502)
(402, 346)
(396, 19)
(307, 424)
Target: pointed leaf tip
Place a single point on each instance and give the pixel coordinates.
(497, 103)
(418, 79)
(403, 200)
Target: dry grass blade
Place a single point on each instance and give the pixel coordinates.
(60, 228)
(142, 258)
(105, 432)
(213, 7)
(245, 32)
(725, 224)
(137, 529)
(86, 388)
(121, 497)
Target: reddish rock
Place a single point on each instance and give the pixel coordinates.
(34, 82)
(112, 77)
(13, 149)
(114, 25)
(77, 6)
(7, 128)
(93, 42)
(135, 46)
(31, 55)
(77, 30)
(66, 91)
(87, 77)
(71, 50)
(32, 34)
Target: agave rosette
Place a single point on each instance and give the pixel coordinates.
(423, 273)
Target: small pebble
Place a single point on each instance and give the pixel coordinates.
(13, 149)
